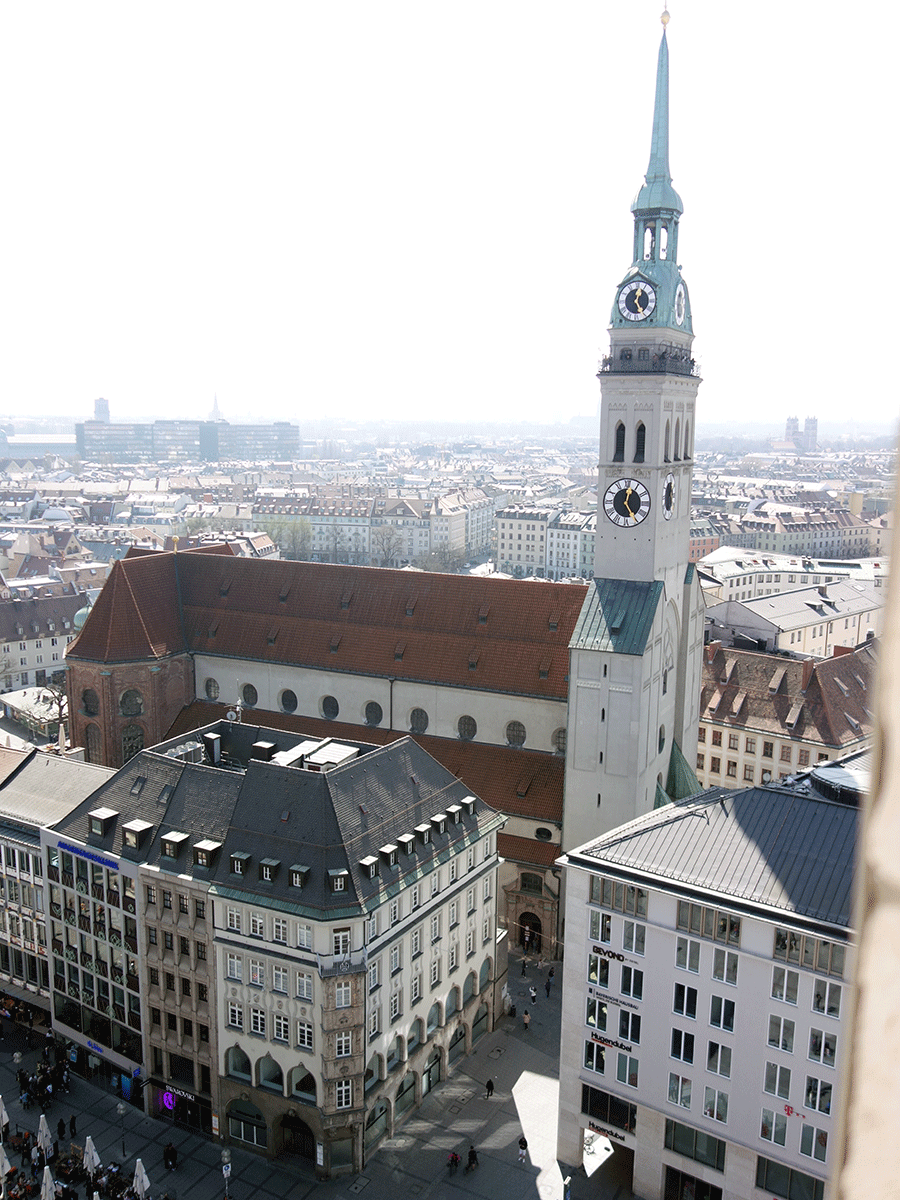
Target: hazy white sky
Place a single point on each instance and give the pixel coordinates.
(421, 208)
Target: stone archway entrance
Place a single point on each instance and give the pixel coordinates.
(297, 1137)
(530, 933)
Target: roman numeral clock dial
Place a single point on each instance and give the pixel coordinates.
(626, 502)
(637, 300)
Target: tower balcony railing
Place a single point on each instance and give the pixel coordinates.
(667, 361)
(352, 963)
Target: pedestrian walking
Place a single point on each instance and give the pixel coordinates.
(532, 992)
(552, 973)
(489, 1089)
(72, 1125)
(61, 1129)
(524, 964)
(523, 1146)
(526, 1019)
(547, 987)
(472, 1160)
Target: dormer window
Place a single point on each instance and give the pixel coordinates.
(407, 842)
(239, 863)
(337, 879)
(454, 812)
(299, 875)
(369, 866)
(133, 833)
(439, 823)
(172, 843)
(423, 832)
(204, 852)
(469, 804)
(100, 821)
(268, 869)
(388, 854)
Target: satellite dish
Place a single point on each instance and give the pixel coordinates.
(231, 715)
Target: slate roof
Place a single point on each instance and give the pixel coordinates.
(768, 849)
(41, 789)
(42, 611)
(522, 783)
(617, 615)
(468, 631)
(325, 821)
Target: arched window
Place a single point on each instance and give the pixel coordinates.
(237, 1064)
(662, 738)
(484, 975)
(619, 452)
(530, 882)
(373, 1072)
(640, 440)
(469, 987)
(395, 1053)
(271, 1075)
(374, 713)
(663, 241)
(418, 720)
(466, 728)
(131, 703)
(648, 242)
(90, 702)
(304, 1085)
(288, 701)
(666, 442)
(452, 1004)
(687, 439)
(515, 733)
(93, 750)
(330, 708)
(434, 1018)
(211, 687)
(132, 741)
(249, 695)
(415, 1036)
(559, 741)
(677, 440)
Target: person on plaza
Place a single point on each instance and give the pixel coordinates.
(35, 1160)
(489, 1089)
(523, 1146)
(472, 1160)
(170, 1157)
(524, 963)
(532, 992)
(61, 1129)
(72, 1125)
(548, 985)
(526, 1019)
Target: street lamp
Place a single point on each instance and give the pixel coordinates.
(122, 1109)
(226, 1168)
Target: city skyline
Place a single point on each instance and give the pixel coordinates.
(415, 213)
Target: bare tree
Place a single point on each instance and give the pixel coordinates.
(387, 544)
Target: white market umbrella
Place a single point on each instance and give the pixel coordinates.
(5, 1167)
(4, 1117)
(91, 1160)
(45, 1137)
(48, 1187)
(141, 1182)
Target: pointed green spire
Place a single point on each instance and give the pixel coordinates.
(657, 192)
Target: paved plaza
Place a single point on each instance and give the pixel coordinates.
(523, 1065)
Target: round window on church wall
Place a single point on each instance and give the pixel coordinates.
(418, 720)
(543, 835)
(288, 701)
(330, 708)
(249, 694)
(373, 713)
(212, 689)
(467, 728)
(515, 733)
(90, 702)
(132, 703)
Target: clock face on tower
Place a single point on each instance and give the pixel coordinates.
(668, 495)
(679, 304)
(626, 502)
(637, 300)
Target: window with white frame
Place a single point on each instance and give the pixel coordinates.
(595, 1013)
(627, 1070)
(395, 911)
(374, 1020)
(453, 913)
(470, 943)
(415, 941)
(595, 1057)
(342, 995)
(258, 1021)
(257, 973)
(822, 1047)
(827, 998)
(715, 1104)
(718, 1059)
(773, 1126)
(785, 985)
(415, 988)
(599, 926)
(632, 983)
(679, 1091)
(396, 1003)
(629, 1026)
(304, 1035)
(486, 927)
(777, 1080)
(372, 927)
(235, 1015)
(817, 1094)
(725, 966)
(304, 937)
(280, 930)
(685, 1001)
(435, 926)
(279, 979)
(781, 1033)
(340, 941)
(682, 1045)
(721, 1013)
(414, 900)
(452, 870)
(343, 1045)
(453, 956)
(634, 937)
(486, 888)
(470, 858)
(813, 1142)
(435, 882)
(470, 900)
(687, 954)
(435, 972)
(257, 924)
(233, 919)
(234, 967)
(344, 1093)
(374, 973)
(486, 849)
(396, 959)
(304, 985)
(281, 1027)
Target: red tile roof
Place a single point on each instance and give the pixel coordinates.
(491, 634)
(519, 782)
(527, 850)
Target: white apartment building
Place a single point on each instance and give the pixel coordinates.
(731, 574)
(522, 538)
(34, 634)
(570, 545)
(708, 957)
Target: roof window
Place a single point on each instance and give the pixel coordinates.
(100, 821)
(172, 843)
(299, 875)
(134, 833)
(239, 863)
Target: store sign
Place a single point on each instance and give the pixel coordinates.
(97, 858)
(610, 1133)
(609, 954)
(595, 1037)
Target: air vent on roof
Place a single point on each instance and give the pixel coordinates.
(483, 614)
(553, 622)
(524, 784)
(844, 689)
(851, 721)
(398, 651)
(411, 605)
(213, 629)
(335, 643)
(473, 660)
(775, 681)
(262, 751)
(272, 635)
(794, 715)
(738, 703)
(544, 669)
(345, 599)
(224, 587)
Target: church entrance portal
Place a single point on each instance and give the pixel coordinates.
(530, 931)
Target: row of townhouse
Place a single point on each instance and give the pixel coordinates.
(281, 941)
(709, 958)
(822, 533)
(730, 574)
(34, 634)
(545, 543)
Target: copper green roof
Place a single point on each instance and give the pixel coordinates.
(657, 191)
(617, 615)
(681, 781)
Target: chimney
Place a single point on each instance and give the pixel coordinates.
(712, 649)
(808, 667)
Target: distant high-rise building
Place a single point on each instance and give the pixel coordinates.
(101, 410)
(810, 434)
(792, 430)
(215, 415)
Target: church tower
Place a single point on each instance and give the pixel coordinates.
(635, 655)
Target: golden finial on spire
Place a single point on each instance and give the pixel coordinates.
(665, 18)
